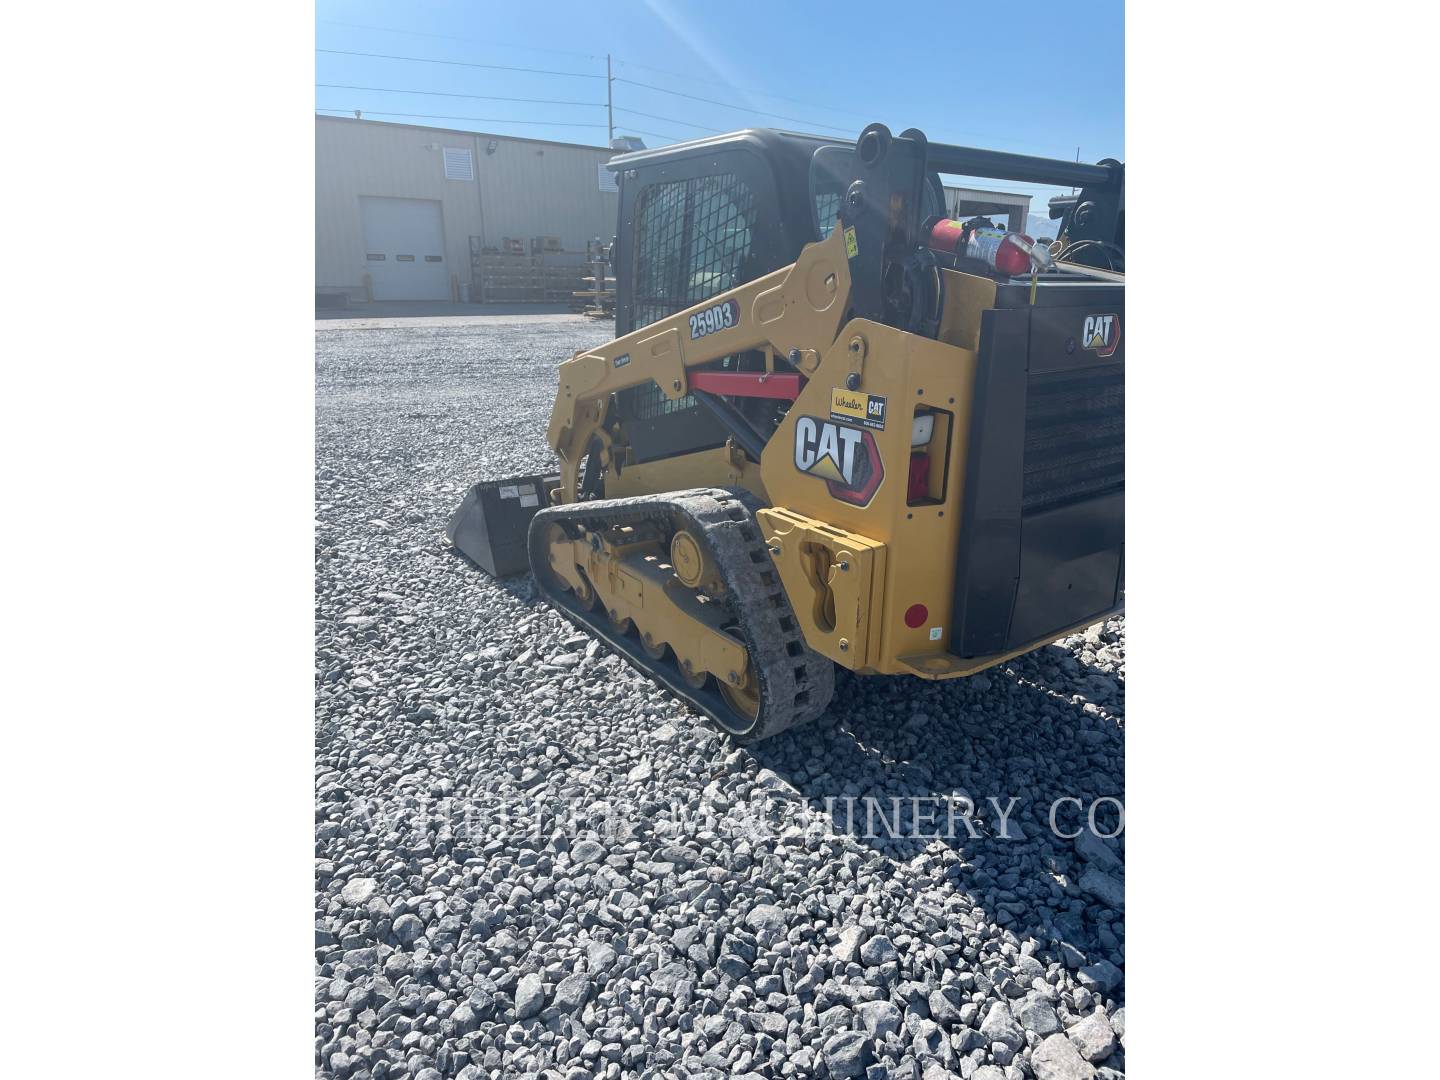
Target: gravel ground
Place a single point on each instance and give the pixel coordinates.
(529, 859)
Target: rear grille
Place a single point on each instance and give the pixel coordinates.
(1074, 436)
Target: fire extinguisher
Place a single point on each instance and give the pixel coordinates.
(1001, 251)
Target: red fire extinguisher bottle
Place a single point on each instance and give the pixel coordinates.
(1008, 253)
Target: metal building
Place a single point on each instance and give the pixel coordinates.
(962, 202)
(416, 213)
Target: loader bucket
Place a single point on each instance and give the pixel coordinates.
(491, 523)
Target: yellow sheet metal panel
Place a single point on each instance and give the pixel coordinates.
(832, 578)
(966, 296)
(826, 465)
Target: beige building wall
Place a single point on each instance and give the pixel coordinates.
(522, 188)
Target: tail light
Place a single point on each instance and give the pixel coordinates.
(919, 483)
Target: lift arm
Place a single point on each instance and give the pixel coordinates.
(796, 311)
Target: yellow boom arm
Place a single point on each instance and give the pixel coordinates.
(798, 309)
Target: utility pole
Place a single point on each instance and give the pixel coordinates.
(610, 98)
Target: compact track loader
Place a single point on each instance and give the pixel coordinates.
(836, 427)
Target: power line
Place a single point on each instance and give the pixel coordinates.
(461, 63)
(727, 105)
(622, 63)
(809, 104)
(585, 104)
(477, 97)
(584, 75)
(739, 89)
(588, 56)
(476, 119)
(670, 120)
(456, 37)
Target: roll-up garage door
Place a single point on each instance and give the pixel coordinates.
(405, 249)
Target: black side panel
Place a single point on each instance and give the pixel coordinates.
(990, 542)
(1070, 566)
(1043, 543)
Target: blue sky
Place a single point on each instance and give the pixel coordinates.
(1035, 78)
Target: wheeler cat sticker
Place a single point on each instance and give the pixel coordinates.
(720, 317)
(846, 458)
(852, 407)
(1101, 334)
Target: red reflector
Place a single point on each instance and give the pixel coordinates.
(915, 615)
(919, 485)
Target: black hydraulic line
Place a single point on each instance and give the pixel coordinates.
(1019, 168)
(744, 433)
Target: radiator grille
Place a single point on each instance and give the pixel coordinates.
(1074, 436)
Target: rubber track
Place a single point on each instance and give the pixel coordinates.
(796, 683)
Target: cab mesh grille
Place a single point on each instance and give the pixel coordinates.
(692, 241)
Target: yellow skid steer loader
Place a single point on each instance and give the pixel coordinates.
(838, 426)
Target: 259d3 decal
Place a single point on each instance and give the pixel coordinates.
(713, 319)
(846, 458)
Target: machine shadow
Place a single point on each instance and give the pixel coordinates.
(1024, 736)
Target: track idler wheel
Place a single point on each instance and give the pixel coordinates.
(692, 564)
(743, 697)
(557, 538)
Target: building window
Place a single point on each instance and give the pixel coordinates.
(459, 163)
(375, 258)
(404, 258)
(433, 258)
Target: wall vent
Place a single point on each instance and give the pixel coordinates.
(459, 163)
